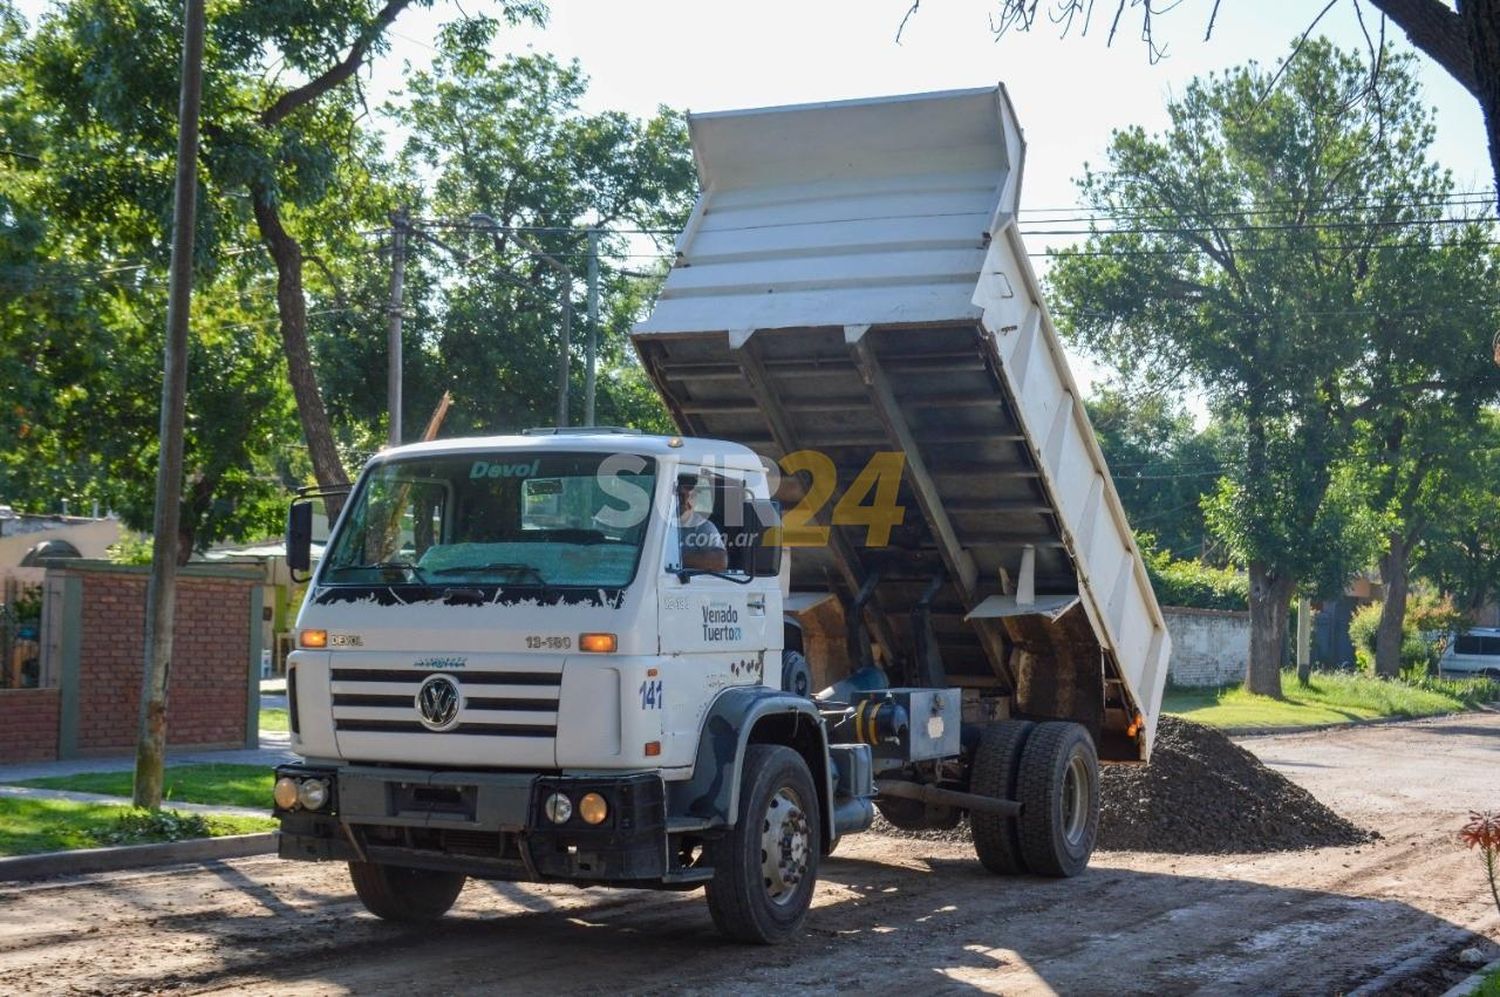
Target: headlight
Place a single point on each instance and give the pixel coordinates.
(558, 808)
(593, 809)
(312, 794)
(285, 793)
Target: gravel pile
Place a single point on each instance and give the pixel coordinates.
(1201, 794)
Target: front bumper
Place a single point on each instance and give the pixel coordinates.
(489, 825)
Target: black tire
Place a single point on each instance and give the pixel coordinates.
(397, 893)
(747, 904)
(1059, 795)
(994, 773)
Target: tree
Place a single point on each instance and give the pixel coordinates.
(1413, 447)
(284, 149)
(1243, 264)
(1460, 553)
(1463, 39)
(1162, 467)
(508, 142)
(83, 213)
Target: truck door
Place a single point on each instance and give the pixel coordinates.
(718, 631)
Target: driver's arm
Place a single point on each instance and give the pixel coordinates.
(703, 548)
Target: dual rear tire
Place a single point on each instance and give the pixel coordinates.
(1052, 770)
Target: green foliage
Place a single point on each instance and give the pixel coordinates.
(1161, 465)
(1343, 537)
(1429, 622)
(509, 140)
(1192, 583)
(137, 826)
(29, 826)
(131, 548)
(1460, 551)
(1269, 242)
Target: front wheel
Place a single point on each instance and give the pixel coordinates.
(397, 893)
(766, 866)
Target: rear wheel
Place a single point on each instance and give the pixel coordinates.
(995, 771)
(1059, 796)
(766, 866)
(397, 893)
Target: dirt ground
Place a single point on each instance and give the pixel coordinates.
(890, 915)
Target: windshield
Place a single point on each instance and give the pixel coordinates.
(571, 519)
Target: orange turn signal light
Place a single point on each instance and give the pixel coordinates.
(312, 638)
(653, 748)
(598, 643)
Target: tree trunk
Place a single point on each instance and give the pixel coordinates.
(1466, 44)
(1393, 568)
(1270, 598)
(1481, 19)
(291, 305)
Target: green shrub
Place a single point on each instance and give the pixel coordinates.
(1430, 621)
(136, 826)
(1192, 583)
(131, 548)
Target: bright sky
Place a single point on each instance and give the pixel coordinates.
(1069, 93)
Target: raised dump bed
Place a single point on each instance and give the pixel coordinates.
(852, 282)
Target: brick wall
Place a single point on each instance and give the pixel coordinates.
(28, 725)
(1209, 646)
(206, 692)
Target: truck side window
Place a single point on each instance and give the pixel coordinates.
(700, 538)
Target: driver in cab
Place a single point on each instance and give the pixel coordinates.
(702, 545)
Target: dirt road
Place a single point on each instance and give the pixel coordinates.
(890, 915)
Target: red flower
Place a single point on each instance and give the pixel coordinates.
(1482, 831)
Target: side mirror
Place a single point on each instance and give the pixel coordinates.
(299, 520)
(761, 516)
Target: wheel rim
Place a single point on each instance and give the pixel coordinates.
(785, 845)
(1075, 800)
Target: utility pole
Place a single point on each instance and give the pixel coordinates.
(400, 222)
(161, 593)
(562, 363)
(593, 349)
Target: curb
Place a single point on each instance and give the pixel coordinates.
(1346, 724)
(51, 864)
(1470, 984)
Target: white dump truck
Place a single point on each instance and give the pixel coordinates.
(882, 567)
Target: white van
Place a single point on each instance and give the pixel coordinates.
(1473, 652)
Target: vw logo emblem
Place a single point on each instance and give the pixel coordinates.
(437, 703)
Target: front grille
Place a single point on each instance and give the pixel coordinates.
(496, 703)
(405, 675)
(466, 727)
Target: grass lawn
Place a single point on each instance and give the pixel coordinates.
(227, 785)
(274, 718)
(1330, 697)
(30, 826)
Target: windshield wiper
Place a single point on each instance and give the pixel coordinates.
(479, 569)
(394, 566)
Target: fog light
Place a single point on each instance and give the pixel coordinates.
(285, 793)
(312, 794)
(558, 808)
(592, 808)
